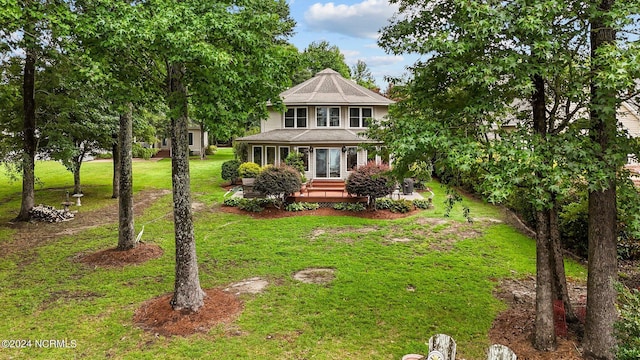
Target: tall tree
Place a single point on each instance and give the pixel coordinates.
(362, 75)
(615, 70)
(30, 28)
(320, 55)
(126, 233)
(226, 59)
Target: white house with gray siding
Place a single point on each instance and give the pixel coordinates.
(324, 120)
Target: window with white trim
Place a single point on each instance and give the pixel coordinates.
(295, 118)
(360, 117)
(327, 116)
(257, 155)
(271, 155)
(284, 152)
(352, 158)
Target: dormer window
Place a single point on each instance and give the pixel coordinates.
(360, 117)
(327, 117)
(295, 118)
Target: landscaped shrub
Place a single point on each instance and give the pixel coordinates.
(233, 201)
(249, 170)
(422, 204)
(628, 324)
(252, 205)
(106, 155)
(396, 206)
(211, 150)
(302, 206)
(349, 207)
(138, 151)
(295, 160)
(278, 182)
(370, 180)
(230, 170)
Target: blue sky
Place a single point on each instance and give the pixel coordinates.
(353, 26)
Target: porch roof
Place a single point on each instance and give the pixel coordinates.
(308, 136)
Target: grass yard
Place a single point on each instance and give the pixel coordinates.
(388, 296)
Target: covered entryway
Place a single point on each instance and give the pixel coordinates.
(328, 163)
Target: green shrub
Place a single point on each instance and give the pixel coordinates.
(138, 151)
(211, 150)
(401, 206)
(249, 170)
(233, 201)
(628, 324)
(106, 155)
(295, 160)
(230, 170)
(252, 205)
(301, 206)
(422, 204)
(278, 182)
(370, 180)
(349, 207)
(383, 203)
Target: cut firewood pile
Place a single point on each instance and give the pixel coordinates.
(50, 214)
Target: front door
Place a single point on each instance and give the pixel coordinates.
(328, 163)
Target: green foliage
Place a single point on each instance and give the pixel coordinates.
(319, 56)
(230, 170)
(211, 150)
(295, 159)
(355, 207)
(397, 206)
(362, 75)
(232, 201)
(249, 170)
(251, 205)
(423, 204)
(106, 155)
(139, 151)
(301, 206)
(279, 182)
(628, 325)
(370, 180)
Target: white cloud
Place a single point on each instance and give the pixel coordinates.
(361, 20)
(384, 60)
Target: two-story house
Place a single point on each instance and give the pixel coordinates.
(324, 119)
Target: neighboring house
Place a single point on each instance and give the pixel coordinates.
(324, 119)
(193, 140)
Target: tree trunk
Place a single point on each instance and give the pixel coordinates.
(599, 340)
(545, 336)
(126, 233)
(116, 169)
(76, 165)
(557, 266)
(187, 295)
(203, 149)
(28, 135)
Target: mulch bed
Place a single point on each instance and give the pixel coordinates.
(157, 315)
(119, 258)
(272, 213)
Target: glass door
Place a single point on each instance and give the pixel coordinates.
(328, 163)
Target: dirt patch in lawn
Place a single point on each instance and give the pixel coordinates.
(30, 235)
(118, 258)
(320, 276)
(272, 213)
(157, 315)
(514, 327)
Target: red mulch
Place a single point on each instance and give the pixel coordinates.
(119, 258)
(272, 213)
(157, 316)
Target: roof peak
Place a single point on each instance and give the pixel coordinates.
(328, 71)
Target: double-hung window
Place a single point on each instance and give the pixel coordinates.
(327, 117)
(360, 117)
(295, 118)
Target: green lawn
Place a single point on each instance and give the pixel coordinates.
(368, 311)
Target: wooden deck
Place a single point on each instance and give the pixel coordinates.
(326, 191)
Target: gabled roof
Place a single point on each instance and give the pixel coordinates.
(307, 136)
(328, 87)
